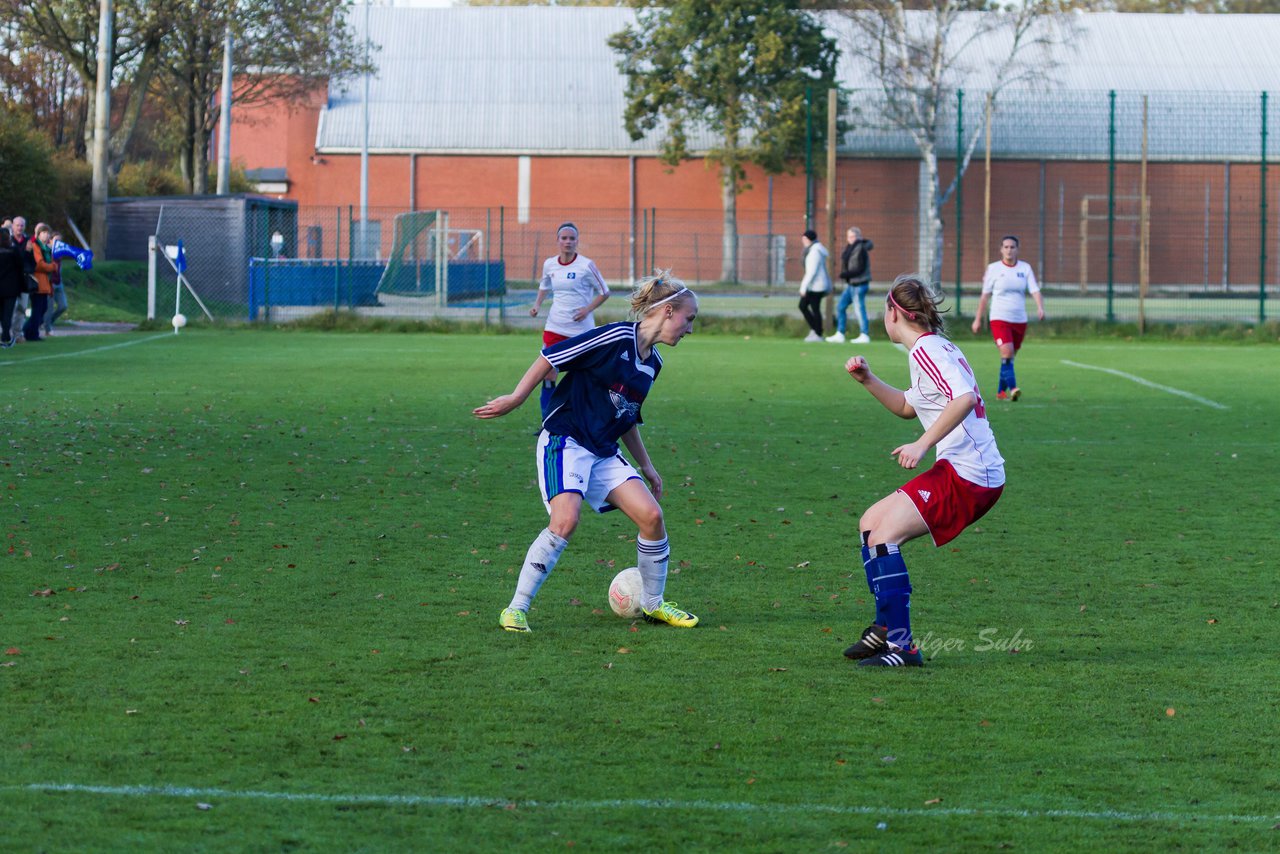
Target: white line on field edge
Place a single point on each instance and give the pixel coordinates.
(1149, 384)
(642, 803)
(86, 352)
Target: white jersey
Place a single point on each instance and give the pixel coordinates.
(939, 374)
(1009, 287)
(573, 286)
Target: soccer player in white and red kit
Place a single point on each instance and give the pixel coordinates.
(963, 484)
(1006, 284)
(577, 289)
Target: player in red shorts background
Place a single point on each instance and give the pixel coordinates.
(963, 484)
(1006, 285)
(576, 288)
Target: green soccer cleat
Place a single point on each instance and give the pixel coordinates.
(514, 620)
(668, 613)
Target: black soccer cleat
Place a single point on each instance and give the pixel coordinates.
(895, 656)
(874, 641)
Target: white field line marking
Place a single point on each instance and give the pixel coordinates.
(1149, 384)
(640, 803)
(86, 352)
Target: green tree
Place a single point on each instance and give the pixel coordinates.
(69, 28)
(737, 69)
(29, 183)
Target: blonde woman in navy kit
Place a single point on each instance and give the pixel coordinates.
(608, 373)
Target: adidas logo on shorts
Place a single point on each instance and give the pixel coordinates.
(924, 495)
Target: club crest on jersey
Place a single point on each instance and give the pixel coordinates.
(621, 405)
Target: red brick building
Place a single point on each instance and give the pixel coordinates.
(512, 117)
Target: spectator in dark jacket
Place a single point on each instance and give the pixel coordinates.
(12, 283)
(855, 269)
(18, 228)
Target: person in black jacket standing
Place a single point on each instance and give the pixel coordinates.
(12, 284)
(855, 269)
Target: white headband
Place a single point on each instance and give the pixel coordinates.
(665, 299)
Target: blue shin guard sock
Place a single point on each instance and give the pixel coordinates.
(892, 588)
(869, 568)
(541, 558)
(548, 388)
(1012, 381)
(1006, 375)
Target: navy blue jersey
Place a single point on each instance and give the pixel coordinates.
(598, 398)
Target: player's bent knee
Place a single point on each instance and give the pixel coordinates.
(650, 522)
(867, 524)
(563, 531)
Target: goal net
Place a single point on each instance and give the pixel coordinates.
(424, 248)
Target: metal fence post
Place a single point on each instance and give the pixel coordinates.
(351, 249)
(644, 242)
(488, 223)
(1111, 209)
(959, 196)
(266, 263)
(337, 256)
(808, 157)
(653, 236)
(1262, 214)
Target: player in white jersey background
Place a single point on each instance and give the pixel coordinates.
(577, 289)
(1006, 285)
(963, 484)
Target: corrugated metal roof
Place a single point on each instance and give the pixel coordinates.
(543, 80)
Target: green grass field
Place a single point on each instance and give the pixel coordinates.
(252, 583)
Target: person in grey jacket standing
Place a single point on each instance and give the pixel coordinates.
(855, 269)
(814, 285)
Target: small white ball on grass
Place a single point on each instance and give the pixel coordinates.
(179, 320)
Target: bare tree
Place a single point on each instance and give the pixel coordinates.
(921, 53)
(69, 28)
(284, 48)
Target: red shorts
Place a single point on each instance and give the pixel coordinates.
(549, 338)
(947, 502)
(1005, 332)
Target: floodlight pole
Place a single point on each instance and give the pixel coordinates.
(102, 131)
(224, 120)
(364, 143)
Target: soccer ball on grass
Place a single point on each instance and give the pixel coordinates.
(625, 592)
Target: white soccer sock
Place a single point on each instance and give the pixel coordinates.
(651, 559)
(538, 563)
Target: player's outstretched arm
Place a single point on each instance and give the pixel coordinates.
(891, 398)
(953, 413)
(502, 405)
(640, 456)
